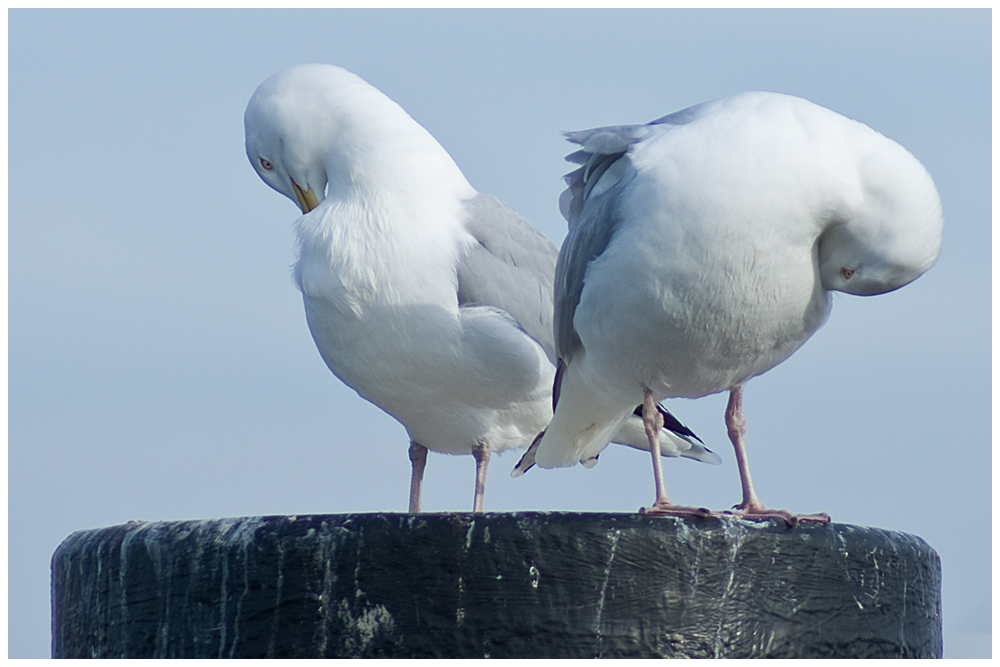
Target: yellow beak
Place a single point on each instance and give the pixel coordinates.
(306, 198)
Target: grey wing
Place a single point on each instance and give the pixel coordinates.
(510, 268)
(684, 116)
(599, 151)
(590, 206)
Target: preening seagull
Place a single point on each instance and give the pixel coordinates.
(429, 299)
(702, 251)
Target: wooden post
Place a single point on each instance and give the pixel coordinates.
(520, 585)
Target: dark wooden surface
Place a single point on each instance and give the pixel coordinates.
(527, 584)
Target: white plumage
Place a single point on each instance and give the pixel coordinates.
(703, 248)
(431, 300)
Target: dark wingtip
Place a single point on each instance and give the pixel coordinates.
(556, 385)
(670, 423)
(528, 460)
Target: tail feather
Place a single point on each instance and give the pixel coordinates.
(584, 424)
(527, 461)
(676, 439)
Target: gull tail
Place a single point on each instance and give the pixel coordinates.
(676, 439)
(527, 461)
(582, 426)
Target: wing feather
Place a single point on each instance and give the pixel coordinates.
(511, 267)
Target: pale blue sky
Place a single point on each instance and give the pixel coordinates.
(159, 362)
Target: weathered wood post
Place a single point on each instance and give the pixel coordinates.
(529, 584)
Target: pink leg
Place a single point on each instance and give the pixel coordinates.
(481, 452)
(736, 424)
(652, 420)
(418, 460)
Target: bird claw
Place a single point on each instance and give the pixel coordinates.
(791, 520)
(670, 509)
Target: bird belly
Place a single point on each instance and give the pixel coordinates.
(451, 377)
(685, 325)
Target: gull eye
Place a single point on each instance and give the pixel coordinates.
(847, 273)
(266, 164)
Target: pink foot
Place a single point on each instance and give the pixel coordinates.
(668, 508)
(758, 511)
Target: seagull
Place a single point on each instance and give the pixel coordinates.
(431, 300)
(702, 252)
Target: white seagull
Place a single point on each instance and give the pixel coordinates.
(702, 251)
(429, 299)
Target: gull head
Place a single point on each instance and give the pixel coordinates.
(888, 232)
(299, 127)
